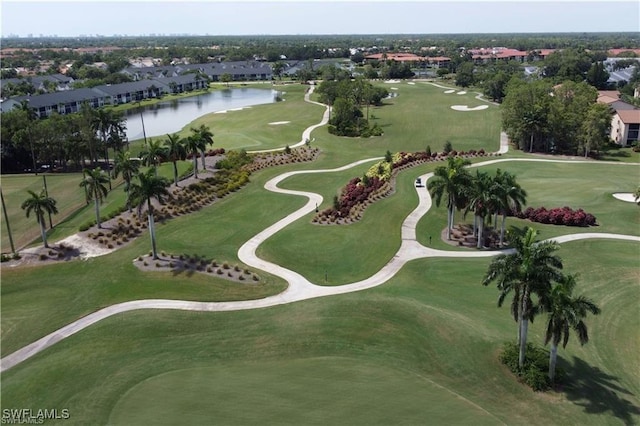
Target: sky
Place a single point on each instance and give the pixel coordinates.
(244, 17)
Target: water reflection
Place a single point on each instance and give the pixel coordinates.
(171, 116)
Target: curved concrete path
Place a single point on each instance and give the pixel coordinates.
(299, 287)
(306, 134)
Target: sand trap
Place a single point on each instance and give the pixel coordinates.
(394, 88)
(466, 108)
(221, 112)
(411, 82)
(461, 93)
(392, 81)
(277, 123)
(625, 196)
(449, 91)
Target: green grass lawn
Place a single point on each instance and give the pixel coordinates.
(428, 336)
(420, 349)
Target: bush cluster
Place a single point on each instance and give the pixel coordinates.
(356, 192)
(557, 216)
(534, 372)
(234, 160)
(210, 153)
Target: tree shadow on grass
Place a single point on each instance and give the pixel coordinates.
(599, 392)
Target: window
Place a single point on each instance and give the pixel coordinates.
(634, 131)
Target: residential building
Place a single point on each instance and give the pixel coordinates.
(625, 127)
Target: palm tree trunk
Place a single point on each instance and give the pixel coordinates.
(449, 222)
(195, 165)
(524, 328)
(552, 362)
(128, 189)
(97, 207)
(152, 231)
(504, 220)
(106, 156)
(175, 173)
(480, 232)
(43, 230)
(531, 143)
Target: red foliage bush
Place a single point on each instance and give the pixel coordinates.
(557, 216)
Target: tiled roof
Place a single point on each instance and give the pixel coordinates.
(631, 116)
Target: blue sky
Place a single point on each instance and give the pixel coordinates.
(241, 17)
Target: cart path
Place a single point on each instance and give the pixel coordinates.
(299, 287)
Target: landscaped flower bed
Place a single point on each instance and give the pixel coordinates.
(557, 216)
(377, 182)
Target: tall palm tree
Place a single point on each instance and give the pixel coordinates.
(88, 131)
(565, 312)
(450, 180)
(194, 144)
(31, 116)
(128, 167)
(94, 182)
(152, 154)
(205, 136)
(529, 270)
(40, 204)
(174, 147)
(479, 199)
(509, 196)
(150, 186)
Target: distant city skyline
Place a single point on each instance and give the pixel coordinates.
(333, 17)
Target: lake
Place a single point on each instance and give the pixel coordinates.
(171, 116)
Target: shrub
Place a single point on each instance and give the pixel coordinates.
(535, 368)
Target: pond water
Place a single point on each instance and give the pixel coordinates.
(171, 116)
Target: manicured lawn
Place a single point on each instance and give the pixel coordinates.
(420, 349)
(430, 335)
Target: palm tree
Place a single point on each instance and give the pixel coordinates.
(205, 136)
(509, 196)
(104, 120)
(450, 180)
(40, 204)
(565, 312)
(94, 182)
(152, 154)
(529, 270)
(31, 116)
(150, 186)
(175, 150)
(479, 198)
(193, 145)
(123, 163)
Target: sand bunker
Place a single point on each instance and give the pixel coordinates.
(394, 88)
(625, 196)
(461, 93)
(411, 82)
(277, 123)
(465, 108)
(233, 109)
(449, 91)
(392, 81)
